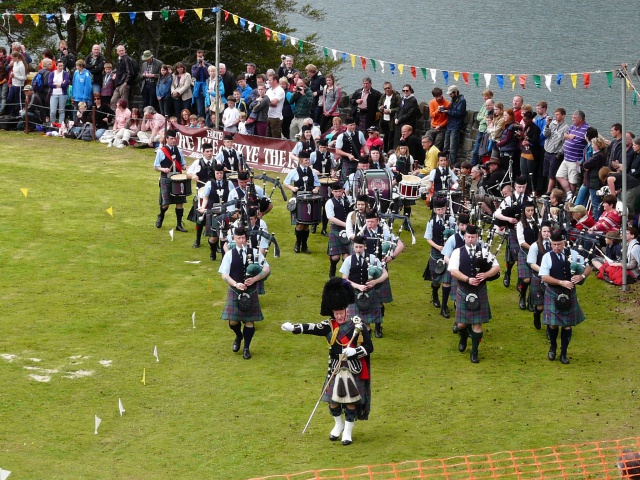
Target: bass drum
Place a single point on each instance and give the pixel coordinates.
(308, 209)
(378, 181)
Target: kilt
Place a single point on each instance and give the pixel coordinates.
(260, 287)
(444, 277)
(373, 315)
(554, 317)
(165, 197)
(513, 247)
(454, 287)
(383, 292)
(463, 314)
(524, 270)
(536, 290)
(348, 167)
(363, 386)
(232, 312)
(335, 246)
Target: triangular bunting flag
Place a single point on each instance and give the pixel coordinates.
(65, 17)
(609, 78)
(334, 53)
(363, 60)
(132, 17)
(198, 12)
(99, 16)
(536, 80)
(392, 67)
(587, 80)
(559, 78)
(116, 16)
(424, 73)
(181, 14)
(413, 72)
(512, 77)
(476, 78)
(164, 14)
(251, 25)
(36, 18)
(301, 45)
(574, 79)
(344, 57)
(635, 97)
(487, 79)
(628, 85)
(294, 41)
(325, 51)
(215, 9)
(235, 18)
(523, 81)
(456, 76)
(226, 15)
(500, 80)
(401, 68)
(25, 192)
(243, 22)
(83, 18)
(109, 211)
(445, 74)
(432, 71)
(49, 16)
(382, 66)
(267, 33)
(465, 77)
(353, 60)
(547, 81)
(20, 17)
(373, 64)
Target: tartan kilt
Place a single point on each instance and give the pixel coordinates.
(383, 292)
(524, 270)
(260, 287)
(454, 287)
(348, 167)
(536, 288)
(335, 246)
(165, 197)
(463, 314)
(233, 313)
(363, 386)
(444, 277)
(513, 247)
(193, 212)
(554, 317)
(373, 315)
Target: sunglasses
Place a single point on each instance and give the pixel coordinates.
(406, 90)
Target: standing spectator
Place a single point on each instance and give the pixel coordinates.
(529, 147)
(276, 100)
(260, 108)
(331, 94)
(568, 174)
(17, 76)
(227, 78)
(107, 84)
(200, 77)
(163, 90)
(244, 89)
(541, 120)
(149, 75)
(94, 63)
(364, 105)
(437, 112)
(123, 76)
(43, 95)
(517, 107)
(509, 144)
(554, 131)
(22, 51)
(316, 84)
(481, 117)
(456, 112)
(231, 116)
(81, 85)
(592, 182)
(303, 99)
(287, 71)
(215, 86)
(388, 106)
(58, 87)
(65, 57)
(615, 147)
(4, 79)
(181, 88)
(408, 112)
(46, 53)
(287, 107)
(250, 76)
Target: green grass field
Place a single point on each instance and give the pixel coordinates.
(79, 287)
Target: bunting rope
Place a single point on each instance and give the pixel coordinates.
(337, 55)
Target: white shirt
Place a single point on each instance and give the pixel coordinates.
(545, 265)
(194, 168)
(454, 261)
(278, 92)
(225, 265)
(229, 118)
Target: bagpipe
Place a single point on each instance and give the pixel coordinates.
(276, 184)
(406, 223)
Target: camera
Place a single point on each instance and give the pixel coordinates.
(441, 109)
(282, 57)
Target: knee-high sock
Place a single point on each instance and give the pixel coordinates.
(247, 333)
(509, 266)
(298, 237)
(553, 336)
(565, 338)
(179, 212)
(445, 295)
(304, 237)
(475, 340)
(163, 211)
(237, 329)
(523, 290)
(333, 267)
(198, 233)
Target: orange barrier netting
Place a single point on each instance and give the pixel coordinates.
(595, 460)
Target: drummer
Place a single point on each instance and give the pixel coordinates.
(356, 220)
(348, 146)
(215, 192)
(322, 162)
(201, 170)
(227, 155)
(437, 267)
(355, 182)
(302, 180)
(306, 144)
(170, 159)
(337, 209)
(453, 242)
(376, 160)
(442, 178)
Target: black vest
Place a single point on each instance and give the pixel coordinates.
(467, 264)
(254, 240)
(301, 184)
(240, 193)
(402, 165)
(322, 162)
(166, 161)
(351, 144)
(541, 253)
(359, 275)
(307, 147)
(214, 196)
(530, 233)
(206, 172)
(561, 270)
(438, 231)
(339, 211)
(231, 159)
(373, 242)
(459, 240)
(438, 180)
(237, 270)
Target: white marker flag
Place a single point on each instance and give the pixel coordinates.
(97, 423)
(193, 319)
(4, 474)
(155, 353)
(171, 234)
(120, 407)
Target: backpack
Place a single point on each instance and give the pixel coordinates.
(135, 71)
(39, 83)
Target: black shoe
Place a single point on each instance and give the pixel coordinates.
(212, 256)
(564, 360)
(522, 303)
(314, 228)
(378, 332)
(552, 354)
(246, 354)
(236, 344)
(346, 442)
(530, 306)
(305, 250)
(180, 228)
(506, 281)
(435, 300)
(536, 323)
(462, 344)
(455, 327)
(296, 248)
(324, 233)
(159, 221)
(196, 244)
(474, 357)
(444, 311)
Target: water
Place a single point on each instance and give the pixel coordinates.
(507, 36)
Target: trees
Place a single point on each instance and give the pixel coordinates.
(170, 40)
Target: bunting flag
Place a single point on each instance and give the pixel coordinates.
(181, 15)
(116, 16)
(99, 17)
(456, 76)
(476, 78)
(373, 64)
(401, 68)
(235, 19)
(465, 77)
(215, 9)
(67, 16)
(36, 18)
(609, 78)
(149, 15)
(432, 71)
(547, 81)
(20, 18)
(413, 72)
(523, 81)
(198, 12)
(243, 22)
(50, 16)
(164, 14)
(226, 15)
(301, 45)
(325, 51)
(83, 18)
(559, 78)
(500, 80)
(392, 67)
(344, 58)
(445, 74)
(132, 17)
(574, 79)
(267, 33)
(334, 53)
(536, 81)
(251, 25)
(382, 65)
(587, 80)
(424, 73)
(487, 79)
(364, 63)
(512, 77)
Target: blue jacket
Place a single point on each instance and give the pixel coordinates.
(82, 89)
(245, 92)
(163, 87)
(457, 112)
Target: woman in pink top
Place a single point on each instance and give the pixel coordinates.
(123, 114)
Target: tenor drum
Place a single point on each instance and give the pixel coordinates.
(180, 185)
(409, 187)
(324, 187)
(308, 209)
(377, 181)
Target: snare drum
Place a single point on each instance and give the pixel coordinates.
(379, 181)
(233, 178)
(180, 185)
(409, 187)
(324, 187)
(308, 209)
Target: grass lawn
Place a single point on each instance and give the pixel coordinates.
(79, 287)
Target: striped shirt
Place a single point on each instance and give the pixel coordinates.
(573, 147)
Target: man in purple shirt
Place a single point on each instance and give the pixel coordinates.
(574, 143)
